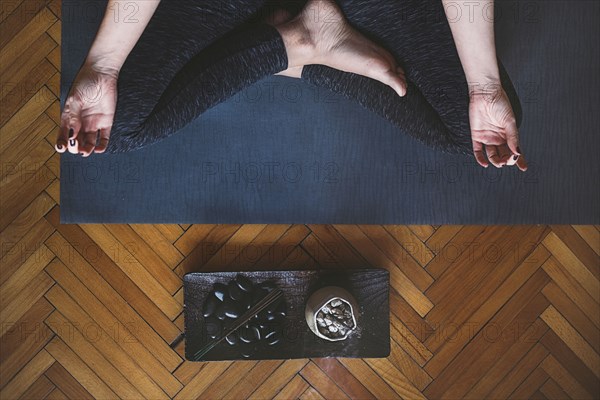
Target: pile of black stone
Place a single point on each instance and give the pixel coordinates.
(334, 319)
(227, 302)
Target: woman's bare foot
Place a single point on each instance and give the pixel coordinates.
(320, 34)
(278, 18)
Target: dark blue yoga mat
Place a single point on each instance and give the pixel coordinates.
(285, 152)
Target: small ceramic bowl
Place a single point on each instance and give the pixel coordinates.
(321, 301)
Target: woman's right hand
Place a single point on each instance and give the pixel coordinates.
(89, 111)
(494, 128)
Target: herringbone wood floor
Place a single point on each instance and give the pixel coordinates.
(90, 311)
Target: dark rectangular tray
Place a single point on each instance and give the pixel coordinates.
(370, 287)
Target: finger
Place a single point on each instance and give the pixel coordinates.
(73, 145)
(479, 156)
(62, 138)
(512, 137)
(522, 163)
(512, 160)
(492, 155)
(89, 143)
(92, 126)
(504, 153)
(70, 125)
(102, 141)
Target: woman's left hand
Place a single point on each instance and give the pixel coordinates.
(494, 129)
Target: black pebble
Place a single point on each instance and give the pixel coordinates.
(220, 312)
(210, 305)
(220, 290)
(263, 315)
(282, 308)
(275, 317)
(244, 283)
(256, 331)
(267, 328)
(247, 334)
(232, 338)
(269, 335)
(246, 349)
(273, 306)
(246, 301)
(244, 337)
(231, 309)
(234, 291)
(272, 338)
(213, 327)
(231, 300)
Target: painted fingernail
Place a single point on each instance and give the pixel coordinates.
(518, 150)
(72, 142)
(71, 133)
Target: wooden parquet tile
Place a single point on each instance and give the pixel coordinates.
(91, 311)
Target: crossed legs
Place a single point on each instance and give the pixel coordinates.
(160, 95)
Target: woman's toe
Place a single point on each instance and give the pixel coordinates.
(398, 82)
(379, 68)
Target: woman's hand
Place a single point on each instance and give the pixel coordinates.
(89, 111)
(494, 129)
(90, 106)
(493, 126)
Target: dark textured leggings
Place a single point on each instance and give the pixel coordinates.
(194, 55)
